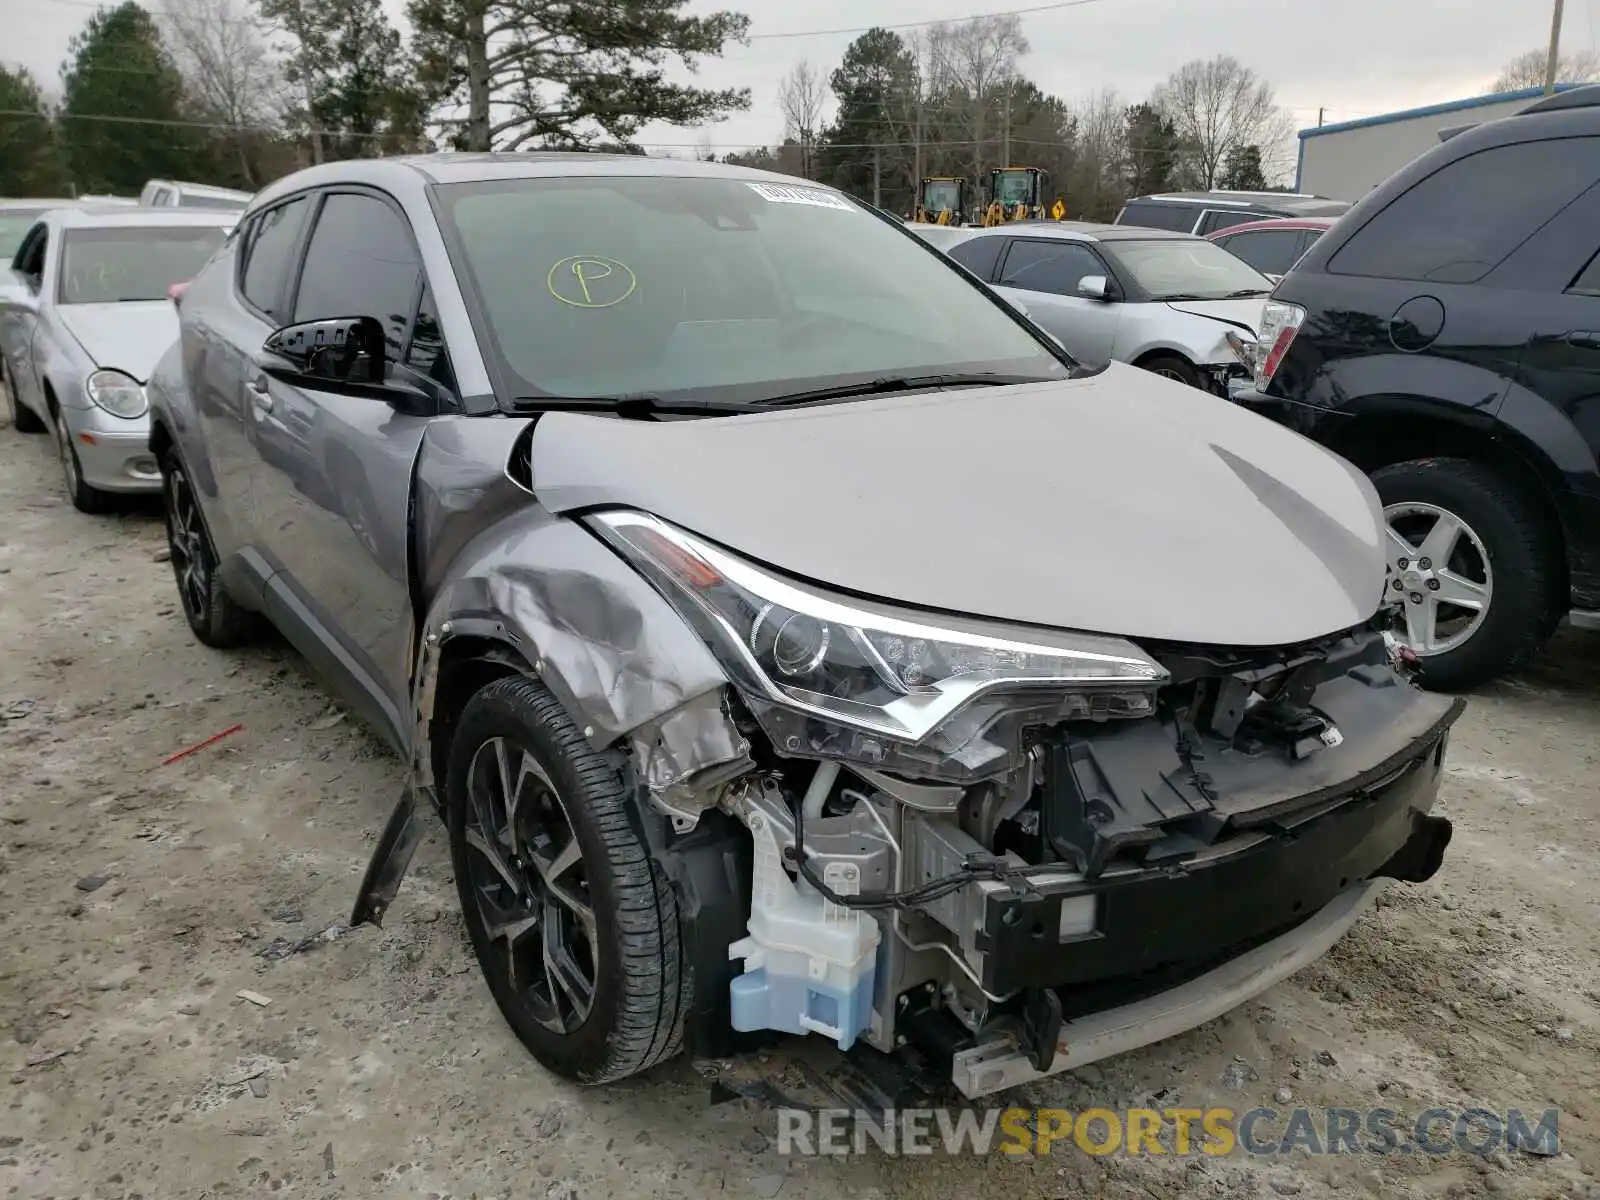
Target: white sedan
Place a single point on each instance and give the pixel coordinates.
(1159, 300)
(85, 312)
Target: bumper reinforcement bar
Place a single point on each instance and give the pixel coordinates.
(996, 1066)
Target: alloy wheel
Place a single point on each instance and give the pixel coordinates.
(526, 873)
(186, 542)
(1438, 576)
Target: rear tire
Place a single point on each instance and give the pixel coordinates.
(23, 418)
(214, 618)
(1523, 565)
(569, 807)
(1174, 367)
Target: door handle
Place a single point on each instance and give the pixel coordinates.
(1584, 339)
(259, 395)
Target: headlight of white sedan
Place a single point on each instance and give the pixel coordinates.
(118, 394)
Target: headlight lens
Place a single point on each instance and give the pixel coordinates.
(870, 670)
(118, 394)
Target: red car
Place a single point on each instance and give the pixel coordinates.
(1273, 246)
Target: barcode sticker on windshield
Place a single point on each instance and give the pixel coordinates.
(780, 193)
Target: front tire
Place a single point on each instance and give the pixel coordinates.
(85, 499)
(214, 618)
(574, 925)
(1174, 367)
(23, 418)
(1477, 567)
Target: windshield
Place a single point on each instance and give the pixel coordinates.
(614, 285)
(108, 266)
(202, 200)
(1013, 187)
(14, 227)
(1181, 268)
(942, 194)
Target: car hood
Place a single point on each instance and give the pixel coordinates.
(1246, 314)
(128, 337)
(1117, 503)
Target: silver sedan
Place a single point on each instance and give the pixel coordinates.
(86, 309)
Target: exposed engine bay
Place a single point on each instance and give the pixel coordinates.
(1080, 863)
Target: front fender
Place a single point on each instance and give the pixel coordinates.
(579, 618)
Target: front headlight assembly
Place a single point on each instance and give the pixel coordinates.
(118, 394)
(838, 678)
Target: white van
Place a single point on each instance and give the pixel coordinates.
(168, 193)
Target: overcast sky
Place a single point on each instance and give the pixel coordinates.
(1351, 57)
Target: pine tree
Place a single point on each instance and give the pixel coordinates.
(122, 121)
(30, 159)
(355, 90)
(568, 72)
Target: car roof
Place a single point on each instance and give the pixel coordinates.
(123, 218)
(1296, 203)
(462, 167)
(44, 204)
(211, 189)
(1084, 231)
(1290, 223)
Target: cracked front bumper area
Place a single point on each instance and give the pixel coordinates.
(1136, 956)
(995, 1066)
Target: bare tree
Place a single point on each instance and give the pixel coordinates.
(978, 62)
(802, 95)
(1096, 187)
(220, 49)
(1219, 106)
(1527, 71)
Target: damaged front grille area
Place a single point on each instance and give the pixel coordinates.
(1241, 737)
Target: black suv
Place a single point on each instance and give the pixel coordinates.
(1203, 213)
(1444, 336)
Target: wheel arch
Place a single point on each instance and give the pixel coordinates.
(1164, 351)
(586, 626)
(1404, 429)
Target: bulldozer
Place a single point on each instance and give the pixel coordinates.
(1016, 194)
(941, 201)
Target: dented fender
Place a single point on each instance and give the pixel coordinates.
(502, 578)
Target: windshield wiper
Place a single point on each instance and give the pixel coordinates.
(1241, 294)
(634, 405)
(902, 383)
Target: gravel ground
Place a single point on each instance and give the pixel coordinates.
(138, 900)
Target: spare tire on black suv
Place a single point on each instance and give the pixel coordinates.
(1444, 336)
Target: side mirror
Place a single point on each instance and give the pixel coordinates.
(342, 352)
(1094, 287)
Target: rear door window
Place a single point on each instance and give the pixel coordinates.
(270, 257)
(1458, 224)
(1177, 217)
(1270, 251)
(1224, 218)
(978, 255)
